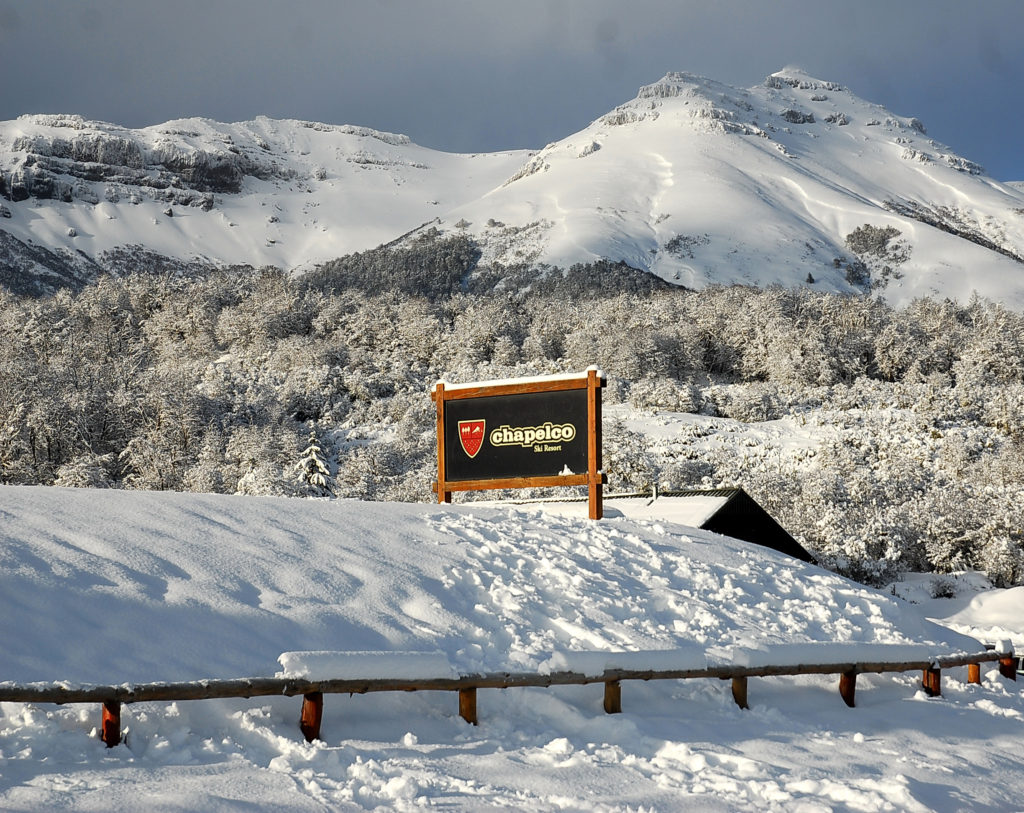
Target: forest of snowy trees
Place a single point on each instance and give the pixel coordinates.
(257, 383)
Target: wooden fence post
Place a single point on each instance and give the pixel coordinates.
(312, 715)
(848, 688)
(110, 723)
(933, 682)
(739, 692)
(612, 697)
(974, 673)
(467, 706)
(1008, 667)
(595, 488)
(443, 495)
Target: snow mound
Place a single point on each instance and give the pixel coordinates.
(113, 586)
(992, 615)
(103, 586)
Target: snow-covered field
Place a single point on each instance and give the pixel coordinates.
(116, 586)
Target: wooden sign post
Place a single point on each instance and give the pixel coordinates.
(522, 433)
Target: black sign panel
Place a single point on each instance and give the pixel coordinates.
(536, 434)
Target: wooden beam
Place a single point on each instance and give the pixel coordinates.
(613, 697)
(848, 688)
(312, 715)
(547, 481)
(467, 705)
(739, 692)
(110, 723)
(112, 697)
(292, 687)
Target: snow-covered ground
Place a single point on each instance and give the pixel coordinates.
(116, 586)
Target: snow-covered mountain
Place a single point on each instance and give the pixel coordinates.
(700, 182)
(796, 181)
(194, 192)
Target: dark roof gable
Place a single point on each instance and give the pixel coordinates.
(741, 517)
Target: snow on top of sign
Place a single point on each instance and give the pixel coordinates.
(503, 382)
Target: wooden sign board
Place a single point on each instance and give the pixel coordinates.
(521, 433)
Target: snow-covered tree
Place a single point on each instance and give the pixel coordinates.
(312, 471)
(211, 384)
(86, 471)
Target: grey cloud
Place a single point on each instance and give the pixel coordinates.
(475, 76)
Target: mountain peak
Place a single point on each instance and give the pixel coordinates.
(796, 77)
(796, 181)
(673, 83)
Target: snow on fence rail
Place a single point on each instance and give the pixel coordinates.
(362, 673)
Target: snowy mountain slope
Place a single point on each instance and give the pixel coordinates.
(264, 192)
(119, 585)
(703, 183)
(699, 182)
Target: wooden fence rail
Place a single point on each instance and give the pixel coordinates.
(112, 697)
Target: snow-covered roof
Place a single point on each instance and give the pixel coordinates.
(691, 510)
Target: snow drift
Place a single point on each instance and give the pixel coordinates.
(101, 586)
(112, 586)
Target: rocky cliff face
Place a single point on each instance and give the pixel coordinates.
(193, 194)
(64, 156)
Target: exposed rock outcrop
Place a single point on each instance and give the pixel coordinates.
(179, 167)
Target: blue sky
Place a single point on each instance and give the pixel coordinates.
(475, 75)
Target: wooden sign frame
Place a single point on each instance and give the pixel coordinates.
(591, 380)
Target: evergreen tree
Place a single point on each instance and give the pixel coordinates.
(313, 473)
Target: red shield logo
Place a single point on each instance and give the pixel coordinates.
(471, 436)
